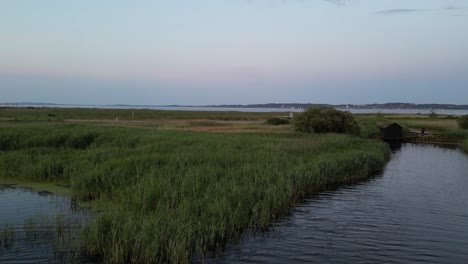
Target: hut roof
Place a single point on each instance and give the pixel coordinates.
(388, 125)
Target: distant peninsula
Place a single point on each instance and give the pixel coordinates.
(350, 106)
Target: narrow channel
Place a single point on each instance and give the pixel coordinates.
(415, 212)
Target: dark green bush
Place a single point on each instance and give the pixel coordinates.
(463, 122)
(325, 120)
(277, 121)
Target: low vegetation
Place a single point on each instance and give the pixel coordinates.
(60, 114)
(170, 195)
(433, 114)
(463, 122)
(325, 120)
(277, 121)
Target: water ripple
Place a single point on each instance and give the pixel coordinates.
(416, 212)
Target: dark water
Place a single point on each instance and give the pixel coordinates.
(38, 227)
(415, 212)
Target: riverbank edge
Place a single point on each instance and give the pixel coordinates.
(54, 188)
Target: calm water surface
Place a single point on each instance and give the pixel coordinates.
(415, 212)
(38, 227)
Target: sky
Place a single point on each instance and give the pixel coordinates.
(199, 52)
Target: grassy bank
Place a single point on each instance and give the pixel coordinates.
(171, 194)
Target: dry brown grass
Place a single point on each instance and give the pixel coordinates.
(202, 125)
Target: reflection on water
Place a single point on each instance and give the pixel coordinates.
(38, 227)
(415, 212)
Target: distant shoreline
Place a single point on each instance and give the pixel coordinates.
(282, 106)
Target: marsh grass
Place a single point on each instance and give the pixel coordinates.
(44, 114)
(172, 194)
(58, 235)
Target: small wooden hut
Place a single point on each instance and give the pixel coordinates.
(391, 131)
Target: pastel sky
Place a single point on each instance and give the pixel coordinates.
(196, 52)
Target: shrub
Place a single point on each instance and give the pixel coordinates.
(325, 120)
(277, 121)
(463, 122)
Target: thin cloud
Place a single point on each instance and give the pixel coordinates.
(390, 12)
(401, 11)
(455, 8)
(337, 2)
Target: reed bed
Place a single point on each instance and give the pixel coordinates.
(172, 195)
(59, 114)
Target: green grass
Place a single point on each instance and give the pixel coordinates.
(206, 123)
(59, 114)
(171, 194)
